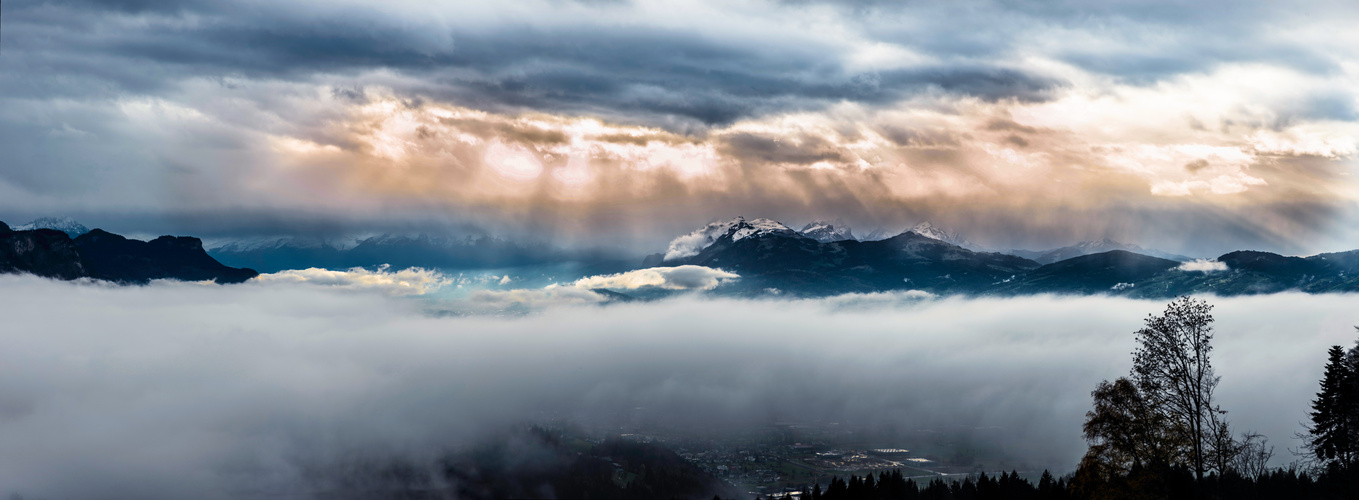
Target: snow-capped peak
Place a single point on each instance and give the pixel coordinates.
(826, 232)
(1106, 244)
(932, 231)
(875, 235)
(929, 231)
(739, 228)
(759, 227)
(64, 224)
(244, 245)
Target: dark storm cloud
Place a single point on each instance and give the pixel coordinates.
(800, 151)
(626, 72)
(639, 83)
(632, 71)
(165, 115)
(918, 138)
(1179, 55)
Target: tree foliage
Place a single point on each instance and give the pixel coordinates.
(1125, 430)
(1332, 438)
(1173, 370)
(1150, 431)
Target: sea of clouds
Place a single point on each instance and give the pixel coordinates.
(179, 390)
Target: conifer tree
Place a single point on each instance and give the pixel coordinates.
(1331, 437)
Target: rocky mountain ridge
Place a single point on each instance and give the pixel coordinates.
(102, 255)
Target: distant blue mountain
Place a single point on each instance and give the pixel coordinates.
(1091, 247)
(402, 251)
(64, 224)
(770, 257)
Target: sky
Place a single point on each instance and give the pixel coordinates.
(279, 388)
(1191, 127)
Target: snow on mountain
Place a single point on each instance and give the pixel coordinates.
(826, 232)
(345, 243)
(1106, 245)
(64, 224)
(739, 228)
(875, 235)
(935, 232)
(420, 239)
(273, 242)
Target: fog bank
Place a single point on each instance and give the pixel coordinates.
(183, 390)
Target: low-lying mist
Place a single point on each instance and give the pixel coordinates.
(179, 390)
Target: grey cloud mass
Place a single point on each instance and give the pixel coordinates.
(629, 72)
(571, 127)
(179, 390)
(626, 66)
(250, 117)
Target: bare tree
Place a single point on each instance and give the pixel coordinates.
(1172, 369)
(1222, 448)
(1254, 452)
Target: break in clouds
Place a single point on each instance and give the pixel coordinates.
(179, 390)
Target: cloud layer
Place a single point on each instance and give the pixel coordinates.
(686, 277)
(410, 281)
(1203, 265)
(590, 290)
(628, 123)
(177, 390)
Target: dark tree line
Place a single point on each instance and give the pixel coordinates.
(894, 486)
(1175, 483)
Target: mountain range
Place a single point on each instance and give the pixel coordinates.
(406, 250)
(824, 258)
(1091, 247)
(828, 232)
(64, 224)
(772, 258)
(102, 255)
(938, 233)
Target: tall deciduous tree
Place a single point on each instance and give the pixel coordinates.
(1172, 369)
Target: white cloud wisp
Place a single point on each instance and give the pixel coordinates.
(410, 281)
(686, 277)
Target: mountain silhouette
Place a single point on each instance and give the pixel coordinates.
(106, 256)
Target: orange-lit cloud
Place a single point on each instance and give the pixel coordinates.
(1191, 127)
(960, 160)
